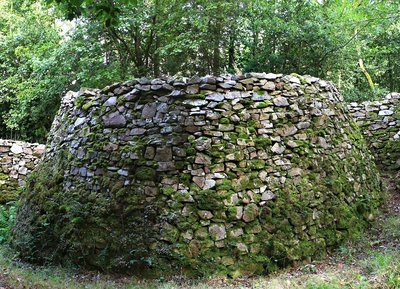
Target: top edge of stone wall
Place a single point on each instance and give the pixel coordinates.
(206, 85)
(390, 97)
(10, 142)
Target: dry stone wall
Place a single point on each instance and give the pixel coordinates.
(380, 123)
(17, 159)
(231, 174)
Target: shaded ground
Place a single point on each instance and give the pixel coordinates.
(372, 261)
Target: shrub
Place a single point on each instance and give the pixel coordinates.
(7, 214)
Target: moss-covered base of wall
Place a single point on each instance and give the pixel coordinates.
(234, 182)
(9, 189)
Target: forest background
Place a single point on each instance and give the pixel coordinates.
(50, 47)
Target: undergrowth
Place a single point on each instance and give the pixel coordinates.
(7, 214)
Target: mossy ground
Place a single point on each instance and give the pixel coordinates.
(371, 261)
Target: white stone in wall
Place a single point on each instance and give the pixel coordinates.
(386, 112)
(16, 149)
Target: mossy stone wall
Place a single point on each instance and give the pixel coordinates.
(230, 174)
(17, 159)
(380, 123)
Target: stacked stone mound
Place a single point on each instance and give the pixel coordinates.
(17, 159)
(231, 174)
(380, 124)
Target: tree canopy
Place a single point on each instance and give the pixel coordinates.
(49, 47)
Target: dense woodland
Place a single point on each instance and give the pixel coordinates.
(49, 47)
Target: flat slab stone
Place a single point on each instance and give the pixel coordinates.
(114, 120)
(16, 149)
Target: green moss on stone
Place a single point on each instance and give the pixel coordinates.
(224, 120)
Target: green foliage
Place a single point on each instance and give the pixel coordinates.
(42, 56)
(7, 214)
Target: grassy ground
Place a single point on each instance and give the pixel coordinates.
(373, 261)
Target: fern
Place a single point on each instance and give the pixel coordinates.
(7, 215)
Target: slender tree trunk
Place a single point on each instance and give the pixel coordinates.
(361, 65)
(156, 58)
(367, 75)
(216, 61)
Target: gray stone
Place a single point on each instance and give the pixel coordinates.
(16, 149)
(176, 93)
(114, 120)
(261, 97)
(81, 153)
(286, 130)
(303, 125)
(280, 101)
(150, 152)
(166, 166)
(203, 144)
(143, 87)
(202, 159)
(258, 75)
(217, 232)
(232, 95)
(250, 213)
(242, 247)
(194, 80)
(294, 172)
(180, 152)
(200, 181)
(277, 148)
(205, 215)
(386, 112)
(79, 121)
(111, 101)
(293, 79)
(209, 184)
(272, 76)
(157, 81)
(167, 87)
(239, 212)
(266, 196)
(236, 232)
(82, 172)
(209, 80)
(144, 81)
(138, 131)
(292, 144)
(227, 84)
(269, 85)
(226, 127)
(22, 171)
(163, 154)
(323, 143)
(193, 89)
(195, 102)
(247, 81)
(110, 147)
(155, 87)
(123, 172)
(208, 86)
(188, 235)
(215, 97)
(149, 110)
